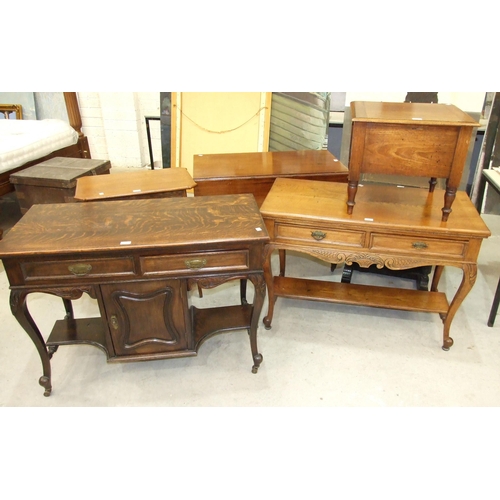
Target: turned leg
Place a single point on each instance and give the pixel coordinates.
(432, 184)
(268, 275)
(449, 198)
(468, 280)
(20, 311)
(258, 301)
(352, 188)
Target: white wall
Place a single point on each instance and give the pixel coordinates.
(116, 129)
(115, 126)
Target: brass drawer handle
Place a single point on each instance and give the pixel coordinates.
(196, 263)
(80, 269)
(419, 244)
(318, 235)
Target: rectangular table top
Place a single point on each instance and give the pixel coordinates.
(379, 206)
(60, 172)
(410, 113)
(132, 183)
(154, 225)
(268, 164)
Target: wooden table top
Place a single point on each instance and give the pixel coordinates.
(132, 183)
(153, 225)
(268, 164)
(377, 205)
(408, 112)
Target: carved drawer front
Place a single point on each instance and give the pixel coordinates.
(418, 245)
(314, 235)
(78, 268)
(147, 317)
(207, 261)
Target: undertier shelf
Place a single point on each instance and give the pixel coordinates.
(365, 295)
(78, 331)
(219, 319)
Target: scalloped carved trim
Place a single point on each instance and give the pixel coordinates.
(214, 281)
(72, 293)
(364, 259)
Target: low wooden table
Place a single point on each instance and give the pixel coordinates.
(54, 180)
(398, 228)
(234, 173)
(139, 259)
(163, 183)
(409, 139)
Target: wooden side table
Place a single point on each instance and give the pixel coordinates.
(54, 180)
(414, 139)
(392, 227)
(163, 183)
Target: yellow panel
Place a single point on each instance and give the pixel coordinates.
(218, 122)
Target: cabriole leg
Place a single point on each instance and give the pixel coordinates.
(258, 301)
(20, 311)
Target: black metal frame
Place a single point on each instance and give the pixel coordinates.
(148, 133)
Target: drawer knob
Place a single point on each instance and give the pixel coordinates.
(195, 263)
(419, 244)
(80, 269)
(318, 235)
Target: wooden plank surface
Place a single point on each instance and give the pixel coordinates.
(377, 207)
(133, 183)
(366, 295)
(214, 167)
(410, 113)
(162, 223)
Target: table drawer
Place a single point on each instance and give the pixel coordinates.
(319, 235)
(78, 268)
(417, 245)
(206, 261)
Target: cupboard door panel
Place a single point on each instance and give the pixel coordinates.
(147, 317)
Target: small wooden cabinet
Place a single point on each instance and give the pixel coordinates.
(139, 259)
(54, 180)
(147, 317)
(410, 139)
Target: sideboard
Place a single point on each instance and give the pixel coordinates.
(139, 259)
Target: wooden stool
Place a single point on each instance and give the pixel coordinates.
(411, 139)
(54, 180)
(142, 184)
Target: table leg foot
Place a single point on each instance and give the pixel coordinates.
(257, 360)
(267, 323)
(45, 382)
(447, 343)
